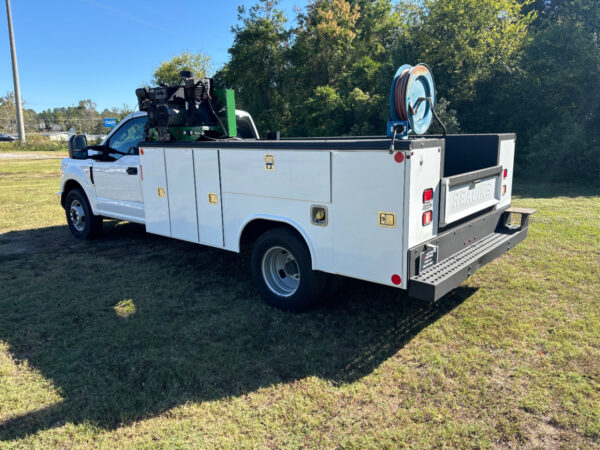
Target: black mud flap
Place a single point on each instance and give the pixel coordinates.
(435, 281)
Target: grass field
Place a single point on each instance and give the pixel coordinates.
(133, 339)
(34, 144)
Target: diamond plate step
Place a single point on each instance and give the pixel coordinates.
(438, 280)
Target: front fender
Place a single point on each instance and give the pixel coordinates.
(80, 174)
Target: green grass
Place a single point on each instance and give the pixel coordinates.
(37, 145)
(137, 340)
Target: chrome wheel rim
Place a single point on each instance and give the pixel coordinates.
(280, 271)
(77, 215)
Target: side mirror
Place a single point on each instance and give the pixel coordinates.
(78, 147)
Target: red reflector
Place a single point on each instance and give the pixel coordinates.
(141, 151)
(427, 195)
(399, 157)
(396, 279)
(427, 216)
(141, 173)
(504, 190)
(505, 174)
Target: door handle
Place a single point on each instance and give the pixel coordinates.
(132, 171)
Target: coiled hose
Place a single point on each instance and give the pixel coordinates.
(400, 91)
(400, 94)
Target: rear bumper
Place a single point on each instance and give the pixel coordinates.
(463, 250)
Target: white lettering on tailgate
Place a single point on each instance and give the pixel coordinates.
(468, 196)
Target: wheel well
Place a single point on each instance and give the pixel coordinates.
(69, 186)
(257, 227)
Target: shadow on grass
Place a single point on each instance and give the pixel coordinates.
(194, 328)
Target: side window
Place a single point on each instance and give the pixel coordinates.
(128, 135)
(244, 128)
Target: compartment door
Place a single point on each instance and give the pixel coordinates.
(368, 216)
(154, 190)
(208, 196)
(182, 194)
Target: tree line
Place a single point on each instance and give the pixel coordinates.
(530, 67)
(526, 66)
(84, 117)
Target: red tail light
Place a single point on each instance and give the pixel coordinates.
(505, 173)
(427, 217)
(427, 195)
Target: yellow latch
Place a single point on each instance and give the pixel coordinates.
(269, 162)
(387, 219)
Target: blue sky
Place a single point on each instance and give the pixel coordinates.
(70, 50)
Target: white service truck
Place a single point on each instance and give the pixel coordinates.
(419, 214)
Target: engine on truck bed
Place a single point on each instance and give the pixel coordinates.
(189, 111)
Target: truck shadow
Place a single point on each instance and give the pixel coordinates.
(131, 325)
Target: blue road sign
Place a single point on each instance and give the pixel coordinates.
(110, 122)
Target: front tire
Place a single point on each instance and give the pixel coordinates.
(282, 271)
(82, 221)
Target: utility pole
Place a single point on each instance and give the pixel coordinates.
(13, 53)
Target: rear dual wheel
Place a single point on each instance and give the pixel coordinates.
(282, 271)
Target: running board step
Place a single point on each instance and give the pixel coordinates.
(439, 279)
